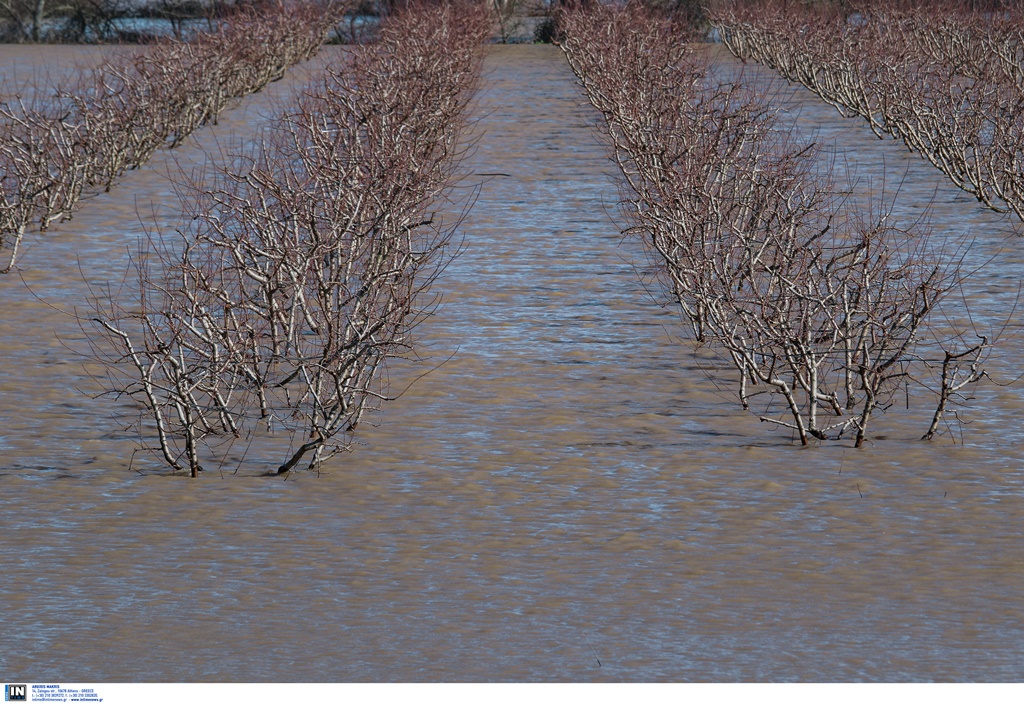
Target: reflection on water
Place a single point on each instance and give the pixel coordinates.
(567, 498)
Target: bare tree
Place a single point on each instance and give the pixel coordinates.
(87, 134)
(304, 261)
(819, 303)
(168, 351)
(944, 79)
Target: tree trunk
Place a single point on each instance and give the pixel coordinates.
(37, 20)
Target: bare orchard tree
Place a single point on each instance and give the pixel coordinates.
(84, 136)
(43, 169)
(958, 366)
(818, 303)
(166, 347)
(303, 263)
(943, 79)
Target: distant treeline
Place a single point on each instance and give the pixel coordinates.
(104, 20)
(135, 21)
(92, 21)
(138, 21)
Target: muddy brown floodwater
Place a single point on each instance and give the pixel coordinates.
(567, 498)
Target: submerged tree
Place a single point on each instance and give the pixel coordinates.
(820, 304)
(302, 266)
(89, 132)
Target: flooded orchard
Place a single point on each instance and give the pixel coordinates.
(564, 496)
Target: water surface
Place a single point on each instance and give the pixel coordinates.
(567, 498)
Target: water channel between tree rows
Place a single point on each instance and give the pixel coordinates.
(568, 497)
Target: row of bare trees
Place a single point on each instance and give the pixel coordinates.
(302, 266)
(819, 306)
(946, 80)
(58, 146)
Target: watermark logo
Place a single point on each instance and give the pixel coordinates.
(16, 692)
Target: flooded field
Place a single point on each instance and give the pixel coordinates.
(566, 498)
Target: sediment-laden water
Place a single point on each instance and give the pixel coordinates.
(567, 497)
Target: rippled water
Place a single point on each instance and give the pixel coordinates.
(567, 498)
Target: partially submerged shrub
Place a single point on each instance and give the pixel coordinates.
(820, 305)
(86, 135)
(302, 266)
(943, 78)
